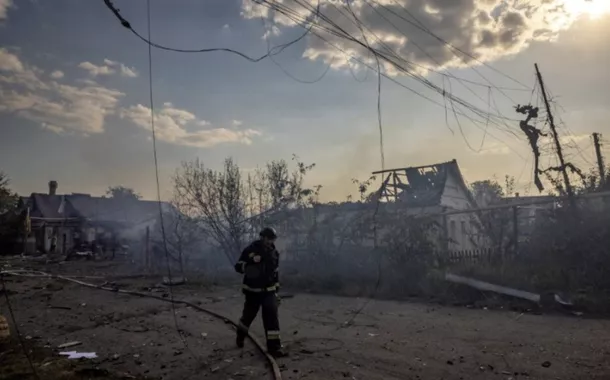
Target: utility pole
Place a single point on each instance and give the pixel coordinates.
(600, 158)
(562, 162)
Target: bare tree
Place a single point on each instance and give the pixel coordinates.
(277, 186)
(216, 200)
(183, 235)
(230, 209)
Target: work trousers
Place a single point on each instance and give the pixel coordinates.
(268, 302)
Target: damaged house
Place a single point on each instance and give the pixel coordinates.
(437, 192)
(81, 218)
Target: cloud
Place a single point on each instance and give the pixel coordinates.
(129, 72)
(10, 62)
(236, 123)
(419, 30)
(57, 74)
(53, 128)
(108, 68)
(4, 6)
(57, 107)
(171, 123)
(96, 70)
(271, 32)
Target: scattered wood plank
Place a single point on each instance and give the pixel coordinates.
(69, 344)
(486, 286)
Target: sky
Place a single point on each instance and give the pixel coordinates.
(75, 90)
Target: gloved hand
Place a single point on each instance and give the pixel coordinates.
(278, 298)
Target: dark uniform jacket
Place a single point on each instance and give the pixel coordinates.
(262, 276)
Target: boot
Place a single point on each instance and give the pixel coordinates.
(239, 341)
(278, 353)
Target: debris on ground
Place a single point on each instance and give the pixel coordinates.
(69, 344)
(5, 332)
(175, 280)
(137, 336)
(79, 355)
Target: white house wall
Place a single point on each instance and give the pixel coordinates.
(462, 229)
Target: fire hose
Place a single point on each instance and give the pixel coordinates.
(274, 366)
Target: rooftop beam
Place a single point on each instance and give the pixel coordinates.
(412, 168)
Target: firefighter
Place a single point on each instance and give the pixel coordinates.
(259, 265)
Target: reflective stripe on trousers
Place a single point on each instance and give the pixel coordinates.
(259, 290)
(273, 335)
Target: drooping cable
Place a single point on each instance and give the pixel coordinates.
(390, 57)
(282, 68)
(157, 182)
(276, 50)
(378, 194)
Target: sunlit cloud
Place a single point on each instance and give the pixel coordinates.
(80, 108)
(427, 33)
(171, 126)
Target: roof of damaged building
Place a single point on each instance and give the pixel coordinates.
(50, 207)
(420, 189)
(424, 186)
(87, 207)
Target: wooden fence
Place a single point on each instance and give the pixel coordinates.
(473, 256)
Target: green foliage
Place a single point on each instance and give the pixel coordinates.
(496, 223)
(592, 182)
(569, 251)
(8, 198)
(123, 193)
(9, 218)
(491, 191)
(362, 248)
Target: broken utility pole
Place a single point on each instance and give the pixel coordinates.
(600, 159)
(563, 168)
(533, 134)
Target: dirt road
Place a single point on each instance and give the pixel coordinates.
(388, 340)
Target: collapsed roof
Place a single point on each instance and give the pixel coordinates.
(421, 186)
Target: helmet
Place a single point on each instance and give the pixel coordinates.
(269, 233)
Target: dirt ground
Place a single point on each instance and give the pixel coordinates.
(137, 337)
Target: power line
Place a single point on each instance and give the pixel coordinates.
(284, 70)
(428, 31)
(158, 187)
(424, 29)
(338, 31)
(349, 66)
(293, 15)
(461, 81)
(276, 50)
(417, 93)
(380, 125)
(446, 111)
